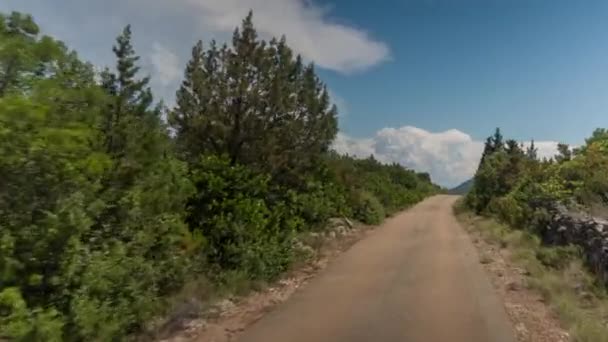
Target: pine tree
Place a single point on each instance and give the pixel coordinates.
(532, 151)
(497, 141)
(512, 148)
(131, 97)
(488, 148)
(139, 226)
(134, 94)
(255, 103)
(191, 99)
(564, 153)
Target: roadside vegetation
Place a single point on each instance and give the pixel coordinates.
(512, 190)
(109, 211)
(557, 273)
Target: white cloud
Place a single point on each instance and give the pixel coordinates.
(360, 148)
(307, 26)
(165, 63)
(544, 149)
(451, 157)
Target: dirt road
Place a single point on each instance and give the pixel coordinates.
(416, 279)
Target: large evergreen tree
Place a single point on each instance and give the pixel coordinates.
(131, 99)
(255, 103)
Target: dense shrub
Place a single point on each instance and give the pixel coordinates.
(104, 214)
(368, 209)
(320, 201)
(393, 186)
(245, 225)
(513, 183)
(508, 210)
(91, 237)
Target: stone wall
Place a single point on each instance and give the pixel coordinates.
(590, 233)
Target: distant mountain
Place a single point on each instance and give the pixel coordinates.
(462, 188)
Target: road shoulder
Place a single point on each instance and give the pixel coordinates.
(528, 311)
(229, 317)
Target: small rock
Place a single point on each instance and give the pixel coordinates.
(306, 250)
(485, 259)
(224, 305)
(584, 295)
(522, 271)
(335, 222)
(521, 330)
(513, 286)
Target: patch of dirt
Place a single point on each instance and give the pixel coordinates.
(228, 318)
(532, 318)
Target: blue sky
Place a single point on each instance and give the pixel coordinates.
(538, 69)
(420, 82)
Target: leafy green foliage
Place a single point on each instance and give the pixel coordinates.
(86, 251)
(256, 103)
(320, 201)
(104, 214)
(514, 185)
(368, 208)
(393, 186)
(24, 54)
(245, 228)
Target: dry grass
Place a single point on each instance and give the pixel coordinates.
(557, 273)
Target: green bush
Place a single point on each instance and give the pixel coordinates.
(319, 202)
(368, 209)
(20, 323)
(393, 186)
(246, 226)
(91, 239)
(508, 210)
(558, 257)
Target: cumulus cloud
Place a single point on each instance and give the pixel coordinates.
(165, 63)
(545, 149)
(164, 31)
(309, 30)
(451, 157)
